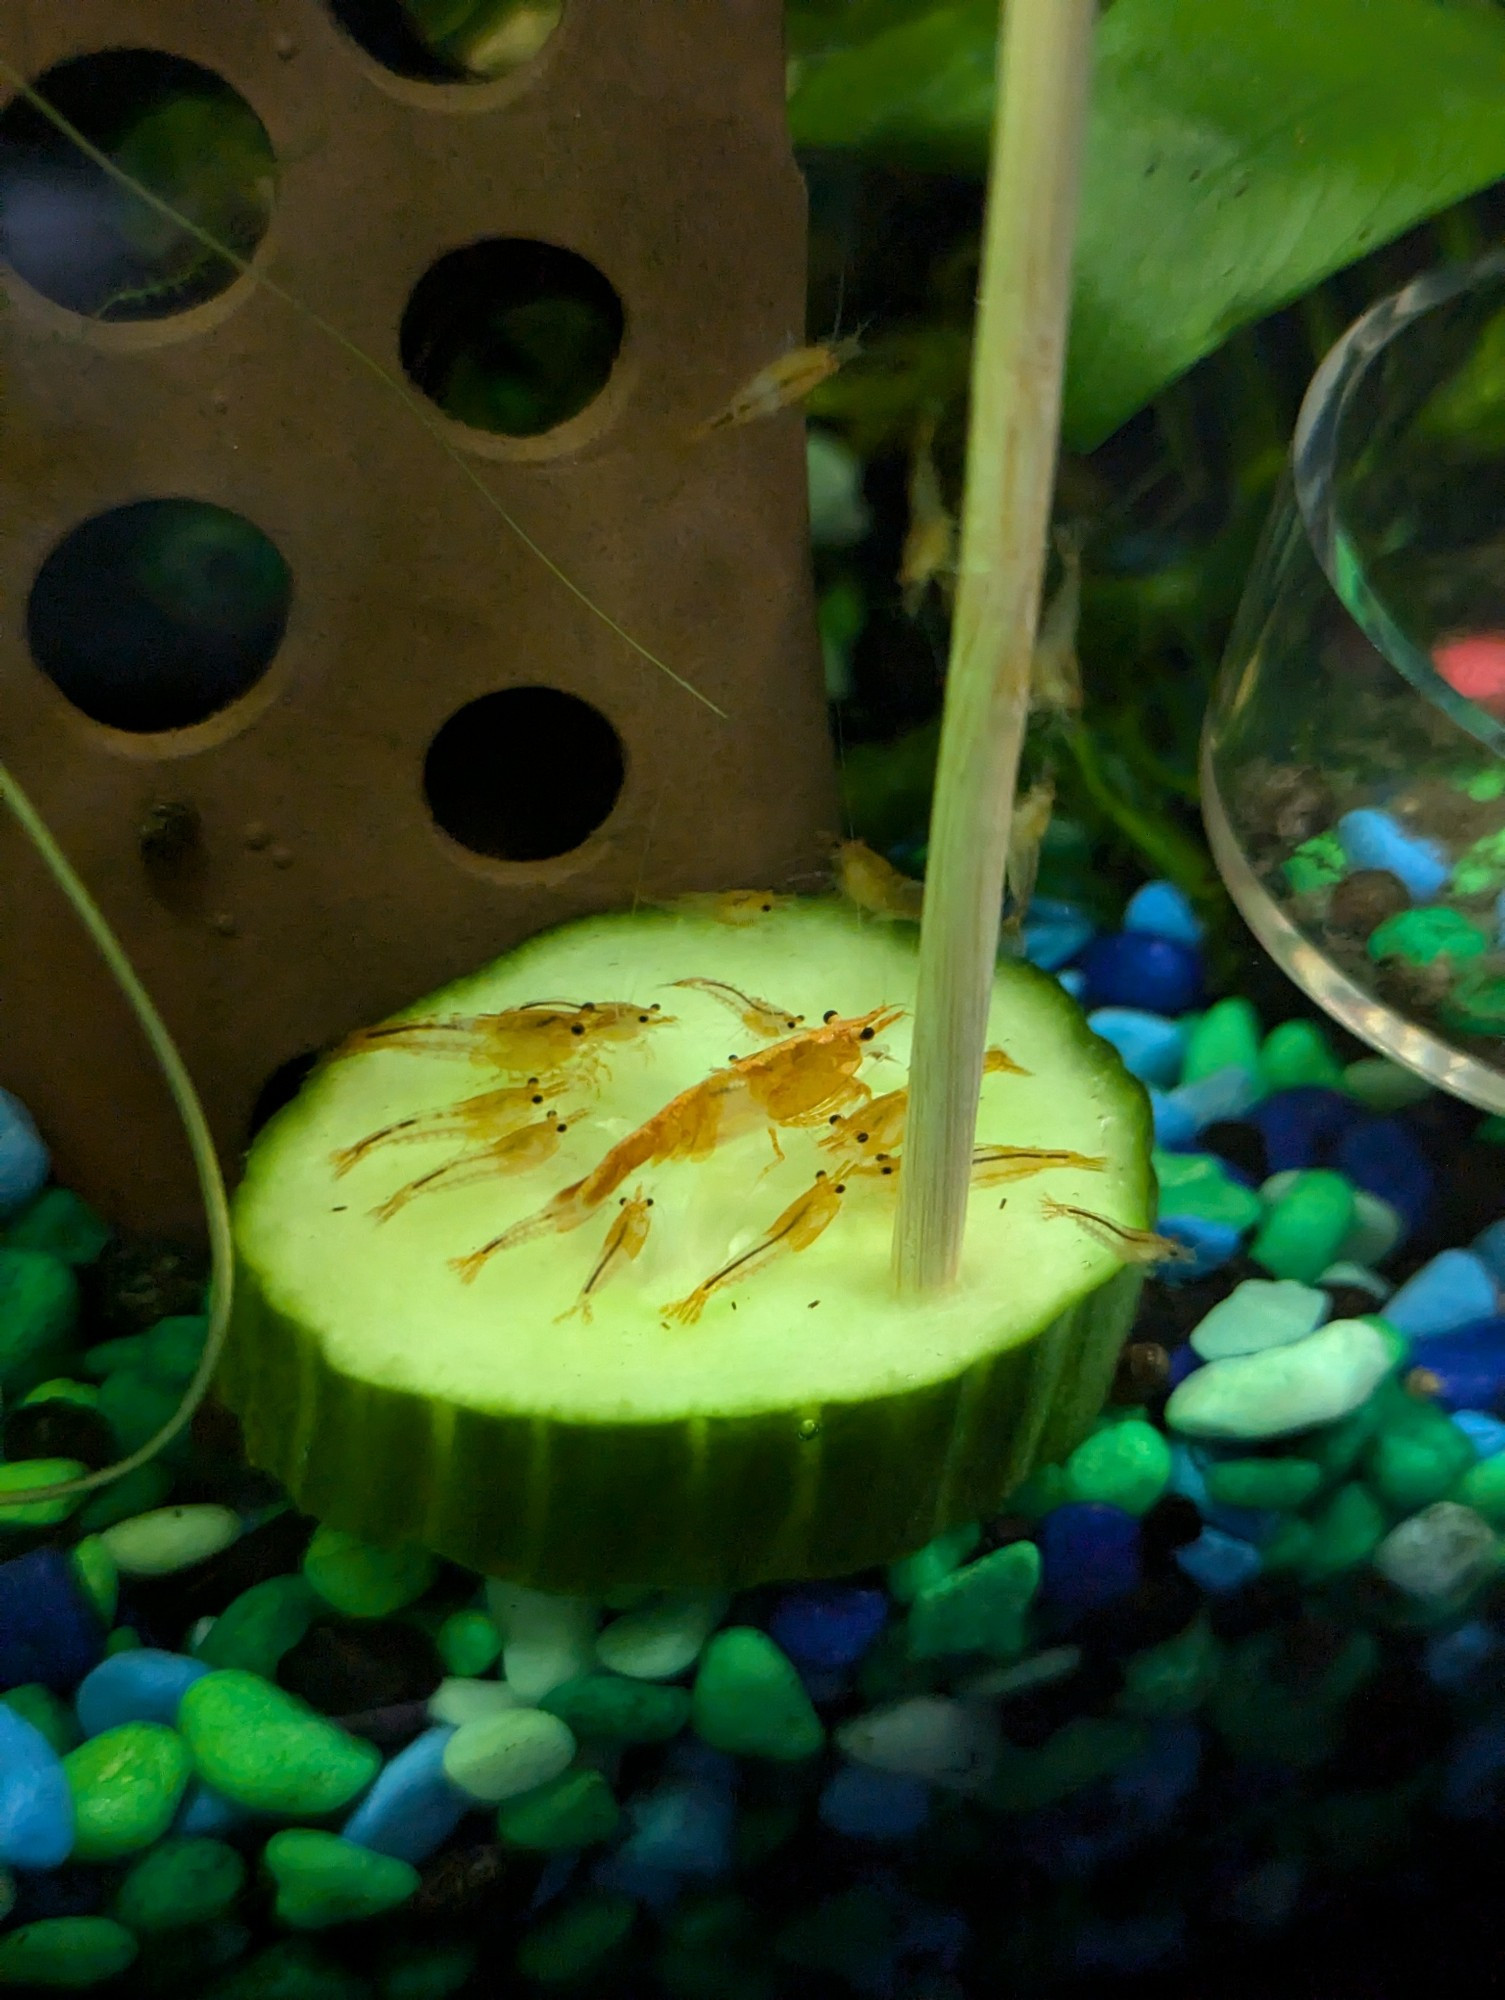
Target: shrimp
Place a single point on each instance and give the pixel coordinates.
(736, 907)
(496, 1159)
(624, 1242)
(760, 1017)
(802, 1080)
(993, 1166)
(788, 380)
(1026, 832)
(998, 1062)
(531, 1040)
(491, 1115)
(876, 1128)
(929, 554)
(1055, 672)
(807, 1217)
(1132, 1246)
(875, 885)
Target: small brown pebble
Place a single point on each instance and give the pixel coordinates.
(1285, 803)
(459, 1882)
(1363, 900)
(1143, 1372)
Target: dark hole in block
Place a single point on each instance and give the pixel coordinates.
(87, 242)
(449, 41)
(512, 336)
(158, 614)
(279, 1089)
(523, 774)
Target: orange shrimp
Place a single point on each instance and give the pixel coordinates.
(929, 554)
(878, 1127)
(998, 1062)
(760, 1017)
(1055, 672)
(807, 1217)
(788, 380)
(736, 907)
(875, 885)
(624, 1242)
(530, 1040)
(513, 1153)
(804, 1079)
(1027, 830)
(994, 1166)
(491, 1115)
(1132, 1246)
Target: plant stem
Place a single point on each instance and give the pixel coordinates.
(1045, 56)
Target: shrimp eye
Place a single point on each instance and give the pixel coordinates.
(577, 1027)
(834, 1119)
(829, 1015)
(656, 1007)
(765, 907)
(840, 1188)
(866, 1035)
(561, 1128)
(649, 1202)
(642, 1017)
(862, 1138)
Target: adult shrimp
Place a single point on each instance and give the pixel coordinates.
(759, 1017)
(496, 1159)
(878, 1127)
(624, 1243)
(530, 1040)
(996, 1166)
(491, 1115)
(806, 1218)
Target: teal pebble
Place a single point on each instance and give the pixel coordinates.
(1304, 1230)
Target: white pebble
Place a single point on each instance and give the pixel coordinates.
(458, 1701)
(663, 1639)
(501, 1756)
(950, 1743)
(1445, 1549)
(546, 1640)
(1039, 1670)
(170, 1539)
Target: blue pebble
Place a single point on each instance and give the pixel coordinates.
(1489, 1248)
(1454, 1289)
(1162, 910)
(1089, 1555)
(1185, 1361)
(36, 1806)
(1212, 1244)
(1219, 1562)
(49, 1631)
(934, 1932)
(1225, 1093)
(681, 1829)
(1152, 1784)
(1138, 969)
(1174, 1124)
(143, 1685)
(1151, 1047)
(1301, 1125)
(412, 1809)
(24, 1164)
(1473, 1785)
(1372, 839)
(208, 1815)
(1381, 1155)
(1187, 1477)
(558, 1873)
(1074, 981)
(874, 1805)
(1055, 932)
(622, 1876)
(1453, 1659)
(1485, 1433)
(828, 1627)
(1465, 1367)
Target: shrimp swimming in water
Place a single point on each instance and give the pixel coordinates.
(491, 1115)
(996, 1166)
(760, 1017)
(1055, 671)
(624, 1242)
(875, 885)
(782, 383)
(736, 907)
(530, 1040)
(1132, 1246)
(929, 554)
(1027, 831)
(513, 1153)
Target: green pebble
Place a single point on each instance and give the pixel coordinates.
(22, 1474)
(1492, 1131)
(47, 1714)
(1282, 1483)
(468, 1643)
(255, 1629)
(134, 1493)
(749, 1700)
(1226, 1037)
(1033, 1497)
(1418, 1456)
(62, 1389)
(1198, 1184)
(137, 1406)
(1474, 877)
(60, 1223)
(606, 1708)
(362, 1580)
(174, 1347)
(1089, 1748)
(124, 1639)
(38, 1308)
(573, 1937)
(1295, 1053)
(1345, 1533)
(1128, 1465)
(1290, 1547)
(1384, 1086)
(1317, 864)
(978, 1609)
(180, 1883)
(1482, 1487)
(322, 1879)
(428, 1972)
(576, 1809)
(129, 1351)
(126, 1784)
(292, 1970)
(1173, 1678)
(170, 1539)
(270, 1752)
(1484, 785)
(98, 1576)
(65, 1951)
(910, 1574)
(1422, 936)
(1476, 1005)
(1303, 1231)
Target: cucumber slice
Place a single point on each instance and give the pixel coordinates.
(809, 1423)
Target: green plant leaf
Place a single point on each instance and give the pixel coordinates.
(1240, 151)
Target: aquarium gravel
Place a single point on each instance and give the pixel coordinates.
(1244, 1643)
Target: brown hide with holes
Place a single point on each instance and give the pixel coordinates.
(649, 137)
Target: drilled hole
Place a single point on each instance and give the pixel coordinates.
(79, 237)
(523, 775)
(157, 615)
(512, 336)
(449, 41)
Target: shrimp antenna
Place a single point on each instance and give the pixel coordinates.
(200, 1145)
(412, 403)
